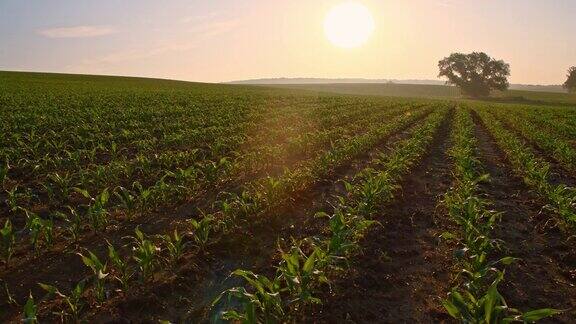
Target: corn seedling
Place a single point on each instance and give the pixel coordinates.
(30, 311)
(303, 274)
(34, 225)
(63, 183)
(100, 273)
(127, 200)
(263, 305)
(144, 253)
(201, 230)
(490, 307)
(174, 245)
(123, 272)
(13, 198)
(73, 223)
(73, 301)
(96, 211)
(3, 172)
(7, 241)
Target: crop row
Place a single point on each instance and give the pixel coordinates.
(96, 212)
(559, 124)
(61, 148)
(534, 171)
(309, 264)
(559, 149)
(203, 229)
(475, 297)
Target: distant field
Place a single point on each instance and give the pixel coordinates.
(431, 91)
(136, 200)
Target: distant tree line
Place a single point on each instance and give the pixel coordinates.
(477, 74)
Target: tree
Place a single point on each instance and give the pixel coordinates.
(570, 84)
(476, 74)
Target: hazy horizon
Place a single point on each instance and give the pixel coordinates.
(228, 40)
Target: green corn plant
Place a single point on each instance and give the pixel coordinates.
(144, 253)
(563, 202)
(34, 225)
(490, 307)
(303, 274)
(3, 172)
(201, 230)
(127, 200)
(113, 149)
(30, 311)
(346, 228)
(7, 241)
(186, 175)
(73, 301)
(48, 231)
(263, 305)
(100, 176)
(144, 194)
(13, 198)
(161, 190)
(375, 189)
(175, 246)
(229, 213)
(339, 243)
(96, 210)
(100, 273)
(211, 169)
(246, 203)
(273, 189)
(121, 267)
(73, 223)
(63, 183)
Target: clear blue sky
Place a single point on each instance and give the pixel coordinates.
(220, 40)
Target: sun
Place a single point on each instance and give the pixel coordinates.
(349, 25)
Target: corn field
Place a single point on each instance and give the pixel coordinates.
(139, 200)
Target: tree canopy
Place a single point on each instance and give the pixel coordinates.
(476, 74)
(570, 83)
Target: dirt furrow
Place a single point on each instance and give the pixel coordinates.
(545, 275)
(402, 269)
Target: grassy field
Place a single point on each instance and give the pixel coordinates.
(434, 91)
(143, 200)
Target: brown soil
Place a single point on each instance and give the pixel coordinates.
(546, 274)
(403, 271)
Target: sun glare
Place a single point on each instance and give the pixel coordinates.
(349, 25)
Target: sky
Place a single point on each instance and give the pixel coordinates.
(224, 40)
